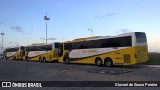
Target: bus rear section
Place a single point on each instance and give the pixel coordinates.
(133, 49)
(141, 48)
(42, 53)
(14, 53)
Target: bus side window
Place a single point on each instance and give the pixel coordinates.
(48, 48)
(82, 47)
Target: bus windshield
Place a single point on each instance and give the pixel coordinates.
(140, 37)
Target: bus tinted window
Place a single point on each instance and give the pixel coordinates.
(94, 44)
(56, 45)
(47, 47)
(22, 48)
(101, 43)
(67, 46)
(40, 48)
(141, 37)
(79, 45)
(116, 42)
(12, 49)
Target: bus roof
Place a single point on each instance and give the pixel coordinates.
(13, 47)
(101, 37)
(40, 44)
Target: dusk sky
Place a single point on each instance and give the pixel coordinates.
(23, 23)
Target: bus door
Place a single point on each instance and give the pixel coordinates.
(60, 50)
(22, 51)
(55, 51)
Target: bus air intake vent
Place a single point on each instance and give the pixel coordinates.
(127, 58)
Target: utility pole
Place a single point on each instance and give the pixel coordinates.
(46, 18)
(2, 33)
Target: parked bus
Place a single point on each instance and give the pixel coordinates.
(42, 53)
(123, 49)
(14, 53)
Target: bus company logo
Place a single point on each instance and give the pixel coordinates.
(89, 51)
(6, 84)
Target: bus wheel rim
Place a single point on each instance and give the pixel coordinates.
(66, 61)
(108, 63)
(98, 62)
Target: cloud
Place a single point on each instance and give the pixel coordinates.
(51, 38)
(106, 15)
(27, 33)
(17, 28)
(123, 30)
(2, 23)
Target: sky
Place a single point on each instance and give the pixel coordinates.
(23, 22)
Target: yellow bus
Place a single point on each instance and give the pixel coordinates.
(42, 53)
(14, 53)
(124, 49)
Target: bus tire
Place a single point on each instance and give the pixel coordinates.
(6, 58)
(66, 61)
(26, 58)
(14, 58)
(108, 62)
(44, 59)
(98, 62)
(18, 57)
(40, 59)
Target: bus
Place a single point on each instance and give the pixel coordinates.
(123, 49)
(14, 53)
(42, 53)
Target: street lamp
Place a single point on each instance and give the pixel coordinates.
(46, 18)
(2, 40)
(91, 31)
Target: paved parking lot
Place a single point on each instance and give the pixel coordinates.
(35, 71)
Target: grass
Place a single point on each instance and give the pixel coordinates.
(154, 58)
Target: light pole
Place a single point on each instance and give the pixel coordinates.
(46, 18)
(91, 31)
(2, 33)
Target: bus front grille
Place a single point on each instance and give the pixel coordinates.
(127, 58)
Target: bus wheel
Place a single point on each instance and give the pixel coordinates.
(26, 58)
(14, 58)
(6, 58)
(44, 59)
(108, 62)
(40, 59)
(66, 61)
(98, 62)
